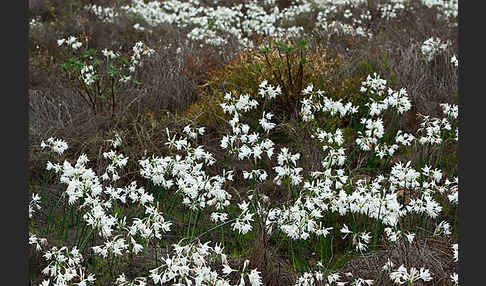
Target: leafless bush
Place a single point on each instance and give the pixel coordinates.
(434, 255)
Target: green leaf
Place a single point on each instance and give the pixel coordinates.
(265, 50)
(89, 53)
(211, 22)
(96, 62)
(302, 44)
(65, 66)
(114, 71)
(123, 60)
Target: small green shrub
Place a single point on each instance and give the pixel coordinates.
(98, 76)
(292, 66)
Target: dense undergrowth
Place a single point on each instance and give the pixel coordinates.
(243, 143)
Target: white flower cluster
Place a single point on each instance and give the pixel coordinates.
(327, 11)
(115, 245)
(313, 197)
(71, 42)
(432, 129)
(268, 91)
(65, 268)
(79, 179)
(56, 145)
(110, 54)
(152, 226)
(138, 281)
(88, 74)
(34, 204)
(340, 28)
(404, 176)
(139, 50)
(394, 235)
(318, 277)
(95, 202)
(187, 173)
(240, 141)
(116, 161)
(317, 102)
(449, 8)
(403, 138)
(242, 223)
(374, 85)
(432, 47)
(106, 14)
(38, 242)
(218, 25)
(390, 10)
(300, 220)
(450, 110)
(215, 25)
(402, 275)
(287, 167)
(377, 87)
(359, 239)
(193, 264)
(452, 186)
(322, 277)
(374, 131)
(243, 104)
(443, 228)
(425, 205)
(332, 143)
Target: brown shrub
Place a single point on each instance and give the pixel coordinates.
(435, 255)
(167, 84)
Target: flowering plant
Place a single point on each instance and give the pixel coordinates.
(97, 76)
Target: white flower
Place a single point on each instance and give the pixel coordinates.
(454, 61)
(56, 145)
(345, 230)
(402, 275)
(227, 269)
(455, 278)
(254, 277)
(455, 249)
(433, 47)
